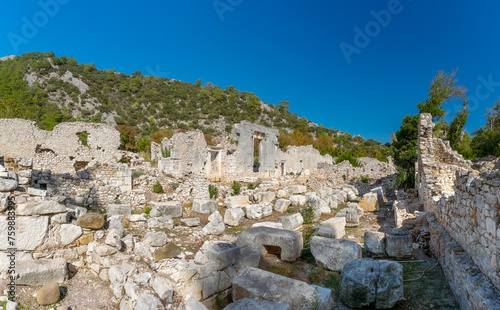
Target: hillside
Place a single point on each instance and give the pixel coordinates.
(49, 90)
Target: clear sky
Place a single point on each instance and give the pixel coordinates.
(358, 66)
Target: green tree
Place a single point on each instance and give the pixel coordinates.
(457, 126)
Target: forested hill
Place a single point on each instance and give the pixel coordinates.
(49, 90)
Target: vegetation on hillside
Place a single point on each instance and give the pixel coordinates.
(149, 108)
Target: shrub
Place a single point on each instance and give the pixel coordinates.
(165, 152)
(174, 185)
(404, 179)
(236, 188)
(253, 186)
(213, 191)
(366, 179)
(308, 212)
(137, 173)
(353, 160)
(157, 188)
(147, 209)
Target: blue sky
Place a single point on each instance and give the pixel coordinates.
(282, 50)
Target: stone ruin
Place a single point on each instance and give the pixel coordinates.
(68, 148)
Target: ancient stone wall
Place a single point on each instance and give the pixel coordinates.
(472, 218)
(437, 164)
(68, 148)
(300, 158)
(372, 168)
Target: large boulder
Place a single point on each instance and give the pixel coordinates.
(234, 216)
(156, 238)
(171, 209)
(70, 233)
(334, 253)
(298, 200)
(7, 185)
(289, 242)
(367, 283)
(48, 294)
(204, 206)
(369, 202)
(253, 211)
(351, 216)
(247, 304)
(255, 283)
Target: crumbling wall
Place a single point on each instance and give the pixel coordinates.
(60, 150)
(472, 218)
(437, 164)
(300, 158)
(372, 168)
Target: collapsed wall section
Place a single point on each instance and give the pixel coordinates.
(437, 164)
(69, 147)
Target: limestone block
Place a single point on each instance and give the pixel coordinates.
(156, 238)
(92, 221)
(351, 216)
(236, 201)
(41, 272)
(246, 303)
(37, 192)
(375, 243)
(253, 211)
(264, 197)
(291, 222)
(204, 206)
(40, 208)
(298, 200)
(281, 205)
(30, 232)
(191, 222)
(268, 224)
(7, 185)
(290, 242)
(118, 209)
(255, 283)
(215, 225)
(399, 243)
(234, 216)
(334, 253)
(297, 189)
(369, 202)
(336, 225)
(171, 209)
(70, 233)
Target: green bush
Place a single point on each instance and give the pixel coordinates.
(174, 185)
(353, 160)
(405, 179)
(165, 152)
(137, 173)
(236, 188)
(366, 179)
(308, 212)
(147, 209)
(253, 186)
(157, 188)
(213, 191)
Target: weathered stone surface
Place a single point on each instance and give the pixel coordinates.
(389, 284)
(41, 272)
(215, 225)
(194, 304)
(156, 238)
(40, 208)
(48, 294)
(86, 239)
(204, 206)
(254, 283)
(142, 249)
(118, 209)
(334, 253)
(191, 222)
(369, 202)
(367, 282)
(163, 287)
(268, 224)
(171, 209)
(70, 233)
(351, 217)
(236, 201)
(253, 211)
(266, 208)
(37, 192)
(7, 185)
(380, 194)
(336, 225)
(92, 220)
(105, 250)
(247, 304)
(234, 216)
(298, 200)
(375, 243)
(398, 243)
(248, 258)
(358, 283)
(264, 197)
(282, 205)
(170, 250)
(113, 239)
(148, 302)
(30, 232)
(290, 242)
(297, 189)
(292, 221)
(217, 255)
